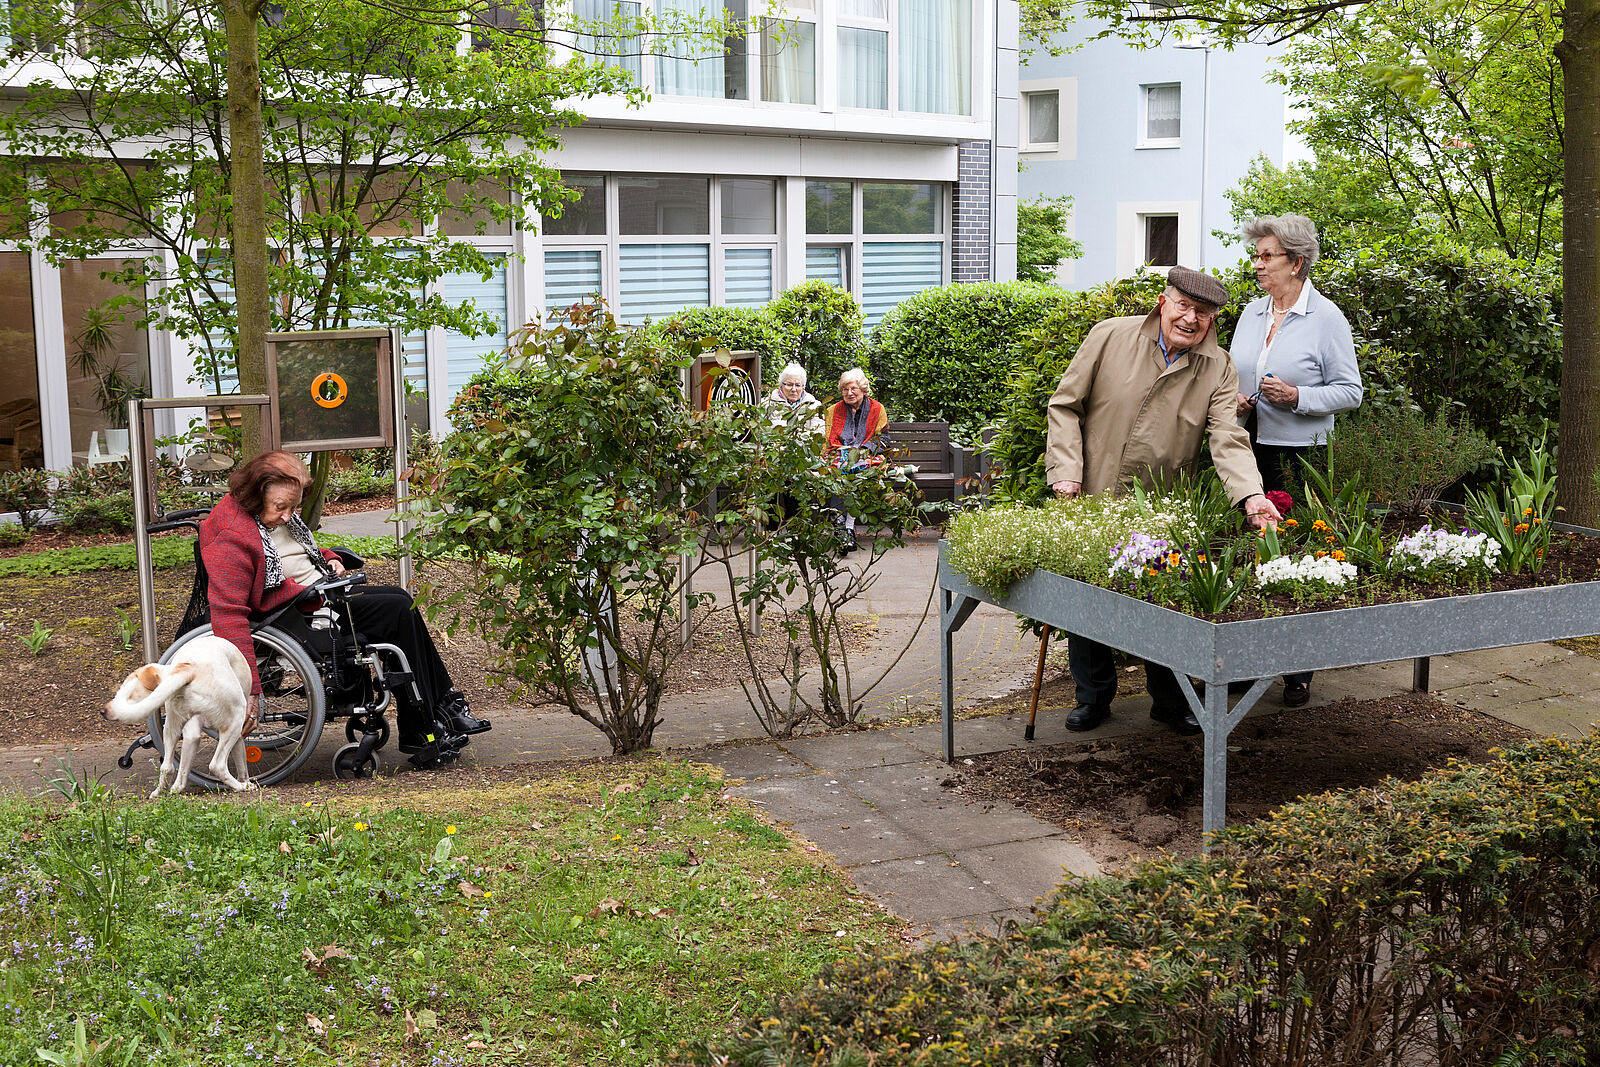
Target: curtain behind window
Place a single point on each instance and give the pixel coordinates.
(936, 56)
(788, 61)
(685, 68)
(863, 68)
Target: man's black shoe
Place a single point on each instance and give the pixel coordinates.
(1182, 720)
(418, 742)
(1087, 717)
(1296, 694)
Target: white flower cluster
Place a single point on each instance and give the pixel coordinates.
(1440, 552)
(1304, 570)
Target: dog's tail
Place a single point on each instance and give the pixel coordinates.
(121, 707)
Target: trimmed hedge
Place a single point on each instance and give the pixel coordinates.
(754, 328)
(1452, 920)
(824, 323)
(945, 353)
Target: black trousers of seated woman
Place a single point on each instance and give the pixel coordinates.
(385, 613)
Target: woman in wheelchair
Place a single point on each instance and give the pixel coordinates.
(259, 555)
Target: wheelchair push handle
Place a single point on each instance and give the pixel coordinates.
(176, 520)
(343, 581)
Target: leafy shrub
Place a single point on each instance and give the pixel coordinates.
(1449, 920)
(13, 534)
(25, 492)
(91, 514)
(823, 325)
(732, 328)
(946, 353)
(1402, 457)
(1042, 241)
(359, 481)
(1472, 331)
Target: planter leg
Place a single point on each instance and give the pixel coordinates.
(947, 696)
(1419, 674)
(1217, 726)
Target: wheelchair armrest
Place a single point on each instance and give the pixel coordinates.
(350, 560)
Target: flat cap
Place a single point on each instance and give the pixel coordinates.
(1202, 287)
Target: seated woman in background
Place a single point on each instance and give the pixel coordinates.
(855, 432)
(259, 554)
(789, 401)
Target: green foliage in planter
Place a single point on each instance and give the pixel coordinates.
(823, 325)
(946, 354)
(1402, 457)
(1473, 331)
(995, 547)
(1448, 920)
(733, 328)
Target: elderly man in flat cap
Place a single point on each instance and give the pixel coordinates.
(1136, 401)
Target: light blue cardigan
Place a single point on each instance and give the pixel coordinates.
(1313, 352)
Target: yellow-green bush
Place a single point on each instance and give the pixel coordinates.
(1447, 921)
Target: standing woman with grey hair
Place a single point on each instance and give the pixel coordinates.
(1296, 360)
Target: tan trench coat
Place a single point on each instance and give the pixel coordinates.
(1121, 414)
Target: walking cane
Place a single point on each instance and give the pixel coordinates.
(1038, 683)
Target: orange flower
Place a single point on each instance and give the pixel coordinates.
(1320, 525)
(1173, 559)
(1290, 523)
(1321, 554)
(1526, 512)
(1338, 555)
(1330, 540)
(1520, 528)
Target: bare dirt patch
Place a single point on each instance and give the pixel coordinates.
(58, 695)
(1125, 798)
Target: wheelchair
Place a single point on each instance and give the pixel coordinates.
(314, 669)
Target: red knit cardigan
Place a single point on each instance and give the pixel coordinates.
(877, 422)
(236, 569)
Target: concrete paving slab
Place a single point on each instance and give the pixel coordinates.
(866, 837)
(1499, 692)
(945, 819)
(1025, 871)
(1564, 715)
(1577, 674)
(1492, 662)
(842, 752)
(928, 889)
(805, 797)
(753, 762)
(986, 924)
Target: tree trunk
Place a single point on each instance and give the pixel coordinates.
(1579, 52)
(248, 189)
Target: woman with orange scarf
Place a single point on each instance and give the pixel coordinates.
(855, 435)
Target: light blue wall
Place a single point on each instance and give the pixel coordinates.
(1097, 161)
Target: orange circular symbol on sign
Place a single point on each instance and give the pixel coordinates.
(329, 390)
(252, 754)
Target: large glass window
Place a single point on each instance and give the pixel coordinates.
(828, 208)
(572, 276)
(586, 214)
(689, 65)
(108, 352)
(863, 68)
(749, 205)
(613, 35)
(659, 279)
(1043, 111)
(664, 205)
(828, 264)
(21, 433)
(747, 277)
(895, 271)
(935, 56)
(788, 61)
(901, 208)
(465, 356)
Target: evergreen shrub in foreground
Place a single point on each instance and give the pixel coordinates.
(1447, 921)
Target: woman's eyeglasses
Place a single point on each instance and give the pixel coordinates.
(1265, 257)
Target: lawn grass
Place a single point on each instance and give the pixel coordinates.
(164, 552)
(605, 914)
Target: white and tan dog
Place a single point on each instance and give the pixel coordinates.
(205, 686)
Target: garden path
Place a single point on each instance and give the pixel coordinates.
(873, 799)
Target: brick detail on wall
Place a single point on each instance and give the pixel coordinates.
(974, 234)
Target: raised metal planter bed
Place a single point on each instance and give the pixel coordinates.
(1262, 649)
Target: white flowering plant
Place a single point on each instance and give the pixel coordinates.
(1439, 555)
(1308, 574)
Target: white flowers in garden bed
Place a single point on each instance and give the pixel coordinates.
(1441, 554)
(1286, 573)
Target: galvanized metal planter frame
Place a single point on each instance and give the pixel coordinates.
(1262, 649)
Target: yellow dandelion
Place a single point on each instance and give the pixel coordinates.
(449, 829)
(360, 826)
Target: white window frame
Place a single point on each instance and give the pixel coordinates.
(1143, 139)
(1026, 139)
(609, 244)
(885, 26)
(854, 243)
(1131, 232)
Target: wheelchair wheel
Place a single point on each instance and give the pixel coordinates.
(346, 763)
(353, 731)
(296, 706)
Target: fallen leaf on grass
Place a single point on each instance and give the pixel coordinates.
(468, 890)
(475, 1043)
(607, 907)
(283, 846)
(411, 1026)
(583, 979)
(625, 787)
(316, 962)
(427, 1019)
(318, 1027)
